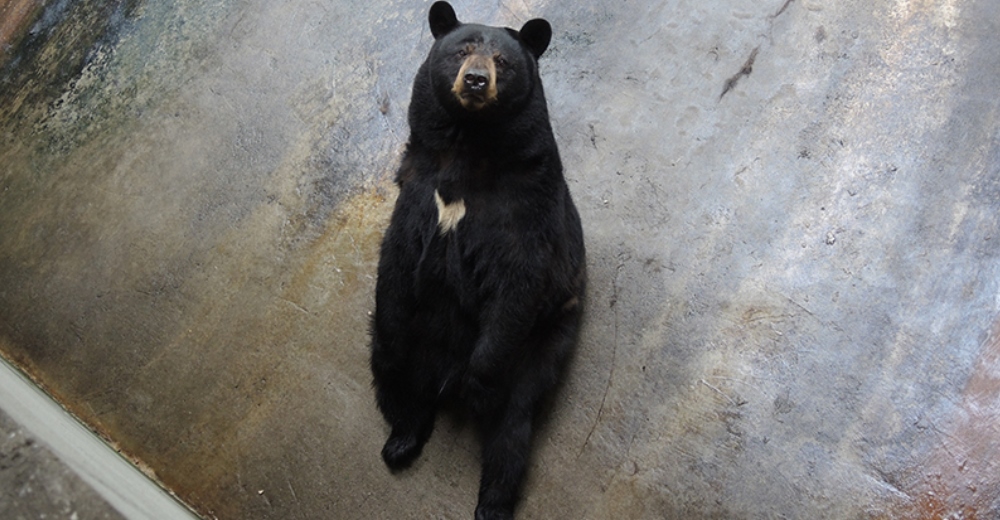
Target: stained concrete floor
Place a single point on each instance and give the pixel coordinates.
(792, 212)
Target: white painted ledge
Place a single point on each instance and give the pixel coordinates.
(117, 480)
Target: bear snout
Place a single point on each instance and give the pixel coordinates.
(476, 82)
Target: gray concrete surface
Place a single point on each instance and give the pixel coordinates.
(51, 466)
(791, 210)
(35, 484)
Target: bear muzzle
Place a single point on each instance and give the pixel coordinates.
(476, 82)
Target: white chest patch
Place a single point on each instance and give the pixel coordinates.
(449, 214)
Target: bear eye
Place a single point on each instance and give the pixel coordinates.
(500, 61)
(462, 53)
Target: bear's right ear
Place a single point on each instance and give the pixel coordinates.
(442, 18)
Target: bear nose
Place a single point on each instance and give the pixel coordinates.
(476, 80)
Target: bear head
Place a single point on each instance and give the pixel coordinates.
(478, 69)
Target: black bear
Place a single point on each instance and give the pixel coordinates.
(481, 276)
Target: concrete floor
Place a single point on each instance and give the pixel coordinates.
(792, 212)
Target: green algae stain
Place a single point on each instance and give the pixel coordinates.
(89, 70)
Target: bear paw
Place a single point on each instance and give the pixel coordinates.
(401, 450)
(493, 513)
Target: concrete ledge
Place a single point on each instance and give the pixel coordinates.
(125, 489)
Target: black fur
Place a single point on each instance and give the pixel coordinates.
(485, 314)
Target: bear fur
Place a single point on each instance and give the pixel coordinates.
(481, 276)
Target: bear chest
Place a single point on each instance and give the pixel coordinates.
(464, 240)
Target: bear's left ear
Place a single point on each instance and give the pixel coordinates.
(536, 34)
(442, 19)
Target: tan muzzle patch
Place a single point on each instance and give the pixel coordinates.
(478, 67)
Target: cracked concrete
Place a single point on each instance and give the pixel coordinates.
(791, 211)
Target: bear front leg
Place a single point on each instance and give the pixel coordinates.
(505, 460)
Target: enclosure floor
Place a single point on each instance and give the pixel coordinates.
(792, 217)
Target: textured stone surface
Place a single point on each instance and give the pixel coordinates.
(34, 484)
(791, 211)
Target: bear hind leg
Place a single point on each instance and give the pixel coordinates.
(505, 460)
(507, 433)
(410, 413)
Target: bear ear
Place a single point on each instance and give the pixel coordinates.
(536, 34)
(442, 19)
